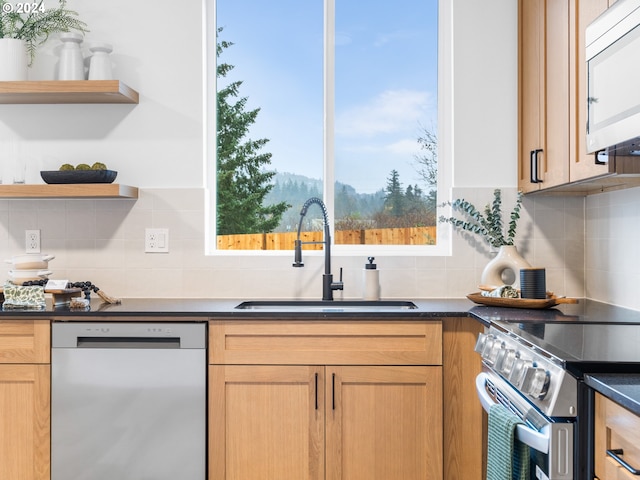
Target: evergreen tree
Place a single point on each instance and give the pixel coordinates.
(345, 202)
(394, 197)
(243, 182)
(414, 200)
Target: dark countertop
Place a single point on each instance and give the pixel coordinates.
(624, 389)
(586, 311)
(189, 309)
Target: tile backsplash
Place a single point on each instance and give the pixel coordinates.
(612, 248)
(103, 241)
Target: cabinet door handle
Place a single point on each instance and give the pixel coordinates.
(316, 390)
(533, 159)
(614, 453)
(333, 391)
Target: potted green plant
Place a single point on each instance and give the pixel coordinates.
(491, 227)
(25, 26)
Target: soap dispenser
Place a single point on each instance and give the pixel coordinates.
(371, 281)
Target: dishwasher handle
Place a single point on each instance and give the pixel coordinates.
(128, 342)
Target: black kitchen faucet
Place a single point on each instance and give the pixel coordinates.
(328, 285)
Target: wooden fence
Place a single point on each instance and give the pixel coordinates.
(284, 241)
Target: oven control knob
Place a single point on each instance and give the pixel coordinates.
(536, 382)
(483, 340)
(492, 350)
(518, 371)
(500, 358)
(508, 358)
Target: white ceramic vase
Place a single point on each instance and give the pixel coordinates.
(507, 258)
(100, 63)
(71, 64)
(13, 59)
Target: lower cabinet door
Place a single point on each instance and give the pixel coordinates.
(266, 422)
(618, 430)
(290, 422)
(25, 422)
(384, 423)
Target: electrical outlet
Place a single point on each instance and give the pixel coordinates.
(32, 241)
(156, 240)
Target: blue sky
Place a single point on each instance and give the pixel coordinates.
(386, 82)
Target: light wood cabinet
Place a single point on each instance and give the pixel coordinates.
(616, 429)
(25, 399)
(383, 422)
(589, 173)
(326, 399)
(465, 422)
(552, 103)
(583, 165)
(544, 94)
(25, 341)
(266, 422)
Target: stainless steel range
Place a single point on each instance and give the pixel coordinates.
(536, 370)
(533, 385)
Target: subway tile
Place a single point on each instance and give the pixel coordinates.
(105, 240)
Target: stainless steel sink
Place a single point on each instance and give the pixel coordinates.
(328, 306)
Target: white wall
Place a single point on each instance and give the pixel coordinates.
(158, 146)
(157, 50)
(485, 93)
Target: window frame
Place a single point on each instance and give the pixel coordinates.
(445, 138)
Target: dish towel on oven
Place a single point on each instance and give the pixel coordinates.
(507, 457)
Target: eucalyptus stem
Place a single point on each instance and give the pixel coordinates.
(489, 225)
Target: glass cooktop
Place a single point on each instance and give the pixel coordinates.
(588, 337)
(584, 347)
(586, 311)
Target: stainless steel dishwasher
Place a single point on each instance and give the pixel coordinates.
(128, 401)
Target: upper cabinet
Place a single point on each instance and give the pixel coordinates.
(544, 94)
(584, 165)
(553, 107)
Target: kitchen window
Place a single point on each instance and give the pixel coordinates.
(326, 99)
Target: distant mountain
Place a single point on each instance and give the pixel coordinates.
(296, 189)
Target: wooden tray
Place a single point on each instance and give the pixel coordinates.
(550, 301)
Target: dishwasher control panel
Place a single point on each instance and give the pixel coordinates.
(152, 331)
(73, 334)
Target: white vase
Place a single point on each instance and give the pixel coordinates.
(507, 259)
(13, 60)
(71, 64)
(100, 63)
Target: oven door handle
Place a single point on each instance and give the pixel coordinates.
(536, 440)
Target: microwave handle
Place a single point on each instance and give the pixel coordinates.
(536, 440)
(596, 156)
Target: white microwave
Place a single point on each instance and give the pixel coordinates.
(613, 79)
